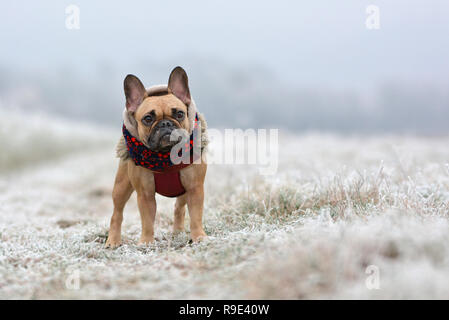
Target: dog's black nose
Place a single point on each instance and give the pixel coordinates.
(165, 124)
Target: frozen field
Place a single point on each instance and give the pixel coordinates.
(338, 207)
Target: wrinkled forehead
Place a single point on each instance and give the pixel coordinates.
(161, 103)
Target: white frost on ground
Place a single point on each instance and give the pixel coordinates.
(337, 206)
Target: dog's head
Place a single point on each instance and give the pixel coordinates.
(156, 116)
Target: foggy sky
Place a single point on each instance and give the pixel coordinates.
(309, 43)
(314, 62)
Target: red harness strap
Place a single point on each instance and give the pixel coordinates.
(168, 183)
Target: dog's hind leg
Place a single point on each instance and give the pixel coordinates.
(120, 195)
(180, 213)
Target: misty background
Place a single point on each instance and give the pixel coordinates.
(277, 64)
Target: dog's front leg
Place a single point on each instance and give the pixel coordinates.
(147, 207)
(195, 201)
(192, 179)
(143, 181)
(120, 195)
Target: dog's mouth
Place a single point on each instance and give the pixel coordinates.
(165, 144)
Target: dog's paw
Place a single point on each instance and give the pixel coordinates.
(112, 243)
(198, 236)
(145, 241)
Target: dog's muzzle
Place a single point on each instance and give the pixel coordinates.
(160, 137)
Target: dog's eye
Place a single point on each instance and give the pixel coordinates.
(180, 114)
(147, 119)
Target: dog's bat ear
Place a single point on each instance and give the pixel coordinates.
(178, 84)
(134, 92)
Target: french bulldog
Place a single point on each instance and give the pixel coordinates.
(149, 120)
